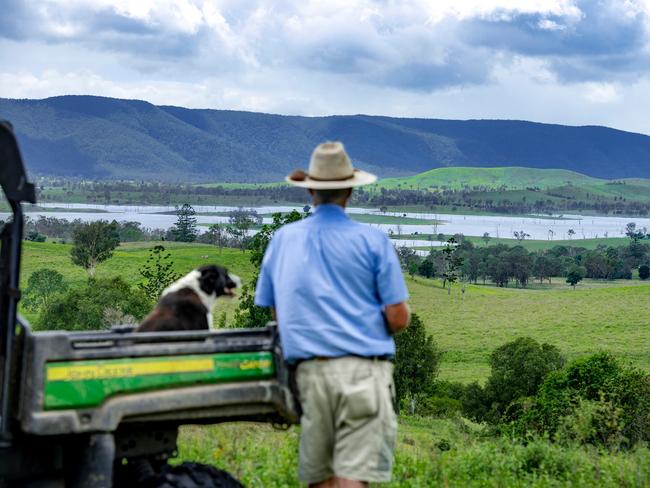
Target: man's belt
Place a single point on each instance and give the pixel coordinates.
(383, 357)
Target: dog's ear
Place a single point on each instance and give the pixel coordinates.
(210, 280)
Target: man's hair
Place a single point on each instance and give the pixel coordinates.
(330, 196)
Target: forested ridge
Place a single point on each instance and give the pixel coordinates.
(105, 138)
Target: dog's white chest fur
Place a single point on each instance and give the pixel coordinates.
(191, 281)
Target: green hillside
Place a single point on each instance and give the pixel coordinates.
(508, 177)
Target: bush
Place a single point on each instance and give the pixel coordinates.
(644, 272)
(86, 308)
(42, 285)
(417, 359)
(426, 405)
(517, 370)
(594, 400)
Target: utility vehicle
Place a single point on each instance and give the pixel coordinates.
(102, 409)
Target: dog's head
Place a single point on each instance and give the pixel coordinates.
(215, 280)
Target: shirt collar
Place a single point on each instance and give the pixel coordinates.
(330, 210)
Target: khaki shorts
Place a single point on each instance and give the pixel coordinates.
(348, 425)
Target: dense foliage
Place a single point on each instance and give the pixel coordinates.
(517, 369)
(98, 305)
(502, 264)
(595, 400)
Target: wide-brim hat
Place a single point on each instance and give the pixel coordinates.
(330, 168)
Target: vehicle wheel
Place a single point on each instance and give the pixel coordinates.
(189, 475)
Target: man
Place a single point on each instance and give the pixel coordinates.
(337, 291)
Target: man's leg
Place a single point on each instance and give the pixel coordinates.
(317, 424)
(366, 423)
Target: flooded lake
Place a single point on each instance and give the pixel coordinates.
(539, 228)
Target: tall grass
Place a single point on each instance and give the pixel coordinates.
(430, 452)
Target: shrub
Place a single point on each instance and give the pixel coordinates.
(426, 405)
(417, 359)
(86, 308)
(594, 400)
(42, 285)
(157, 272)
(644, 272)
(517, 370)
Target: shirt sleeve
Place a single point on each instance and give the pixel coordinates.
(264, 296)
(391, 287)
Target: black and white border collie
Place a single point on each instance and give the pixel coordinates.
(187, 303)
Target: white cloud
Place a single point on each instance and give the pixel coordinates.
(547, 24)
(600, 92)
(547, 60)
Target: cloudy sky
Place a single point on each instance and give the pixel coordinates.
(563, 61)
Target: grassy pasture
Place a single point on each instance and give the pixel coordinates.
(582, 321)
(597, 315)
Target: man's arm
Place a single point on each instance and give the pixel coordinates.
(397, 316)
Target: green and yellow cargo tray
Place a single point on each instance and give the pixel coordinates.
(89, 383)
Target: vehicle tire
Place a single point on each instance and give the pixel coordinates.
(190, 475)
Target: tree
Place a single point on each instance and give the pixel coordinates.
(409, 260)
(248, 314)
(634, 234)
(157, 273)
(575, 275)
(239, 223)
(571, 233)
(417, 359)
(452, 262)
(644, 272)
(215, 235)
(543, 268)
(426, 268)
(486, 237)
(42, 285)
(184, 230)
(93, 243)
(520, 235)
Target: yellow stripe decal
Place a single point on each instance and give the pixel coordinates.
(126, 370)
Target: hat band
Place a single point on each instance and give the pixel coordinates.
(334, 179)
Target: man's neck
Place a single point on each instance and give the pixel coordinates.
(340, 204)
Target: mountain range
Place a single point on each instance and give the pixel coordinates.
(105, 138)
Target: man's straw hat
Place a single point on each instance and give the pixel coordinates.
(330, 168)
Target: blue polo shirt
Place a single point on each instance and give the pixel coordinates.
(329, 278)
